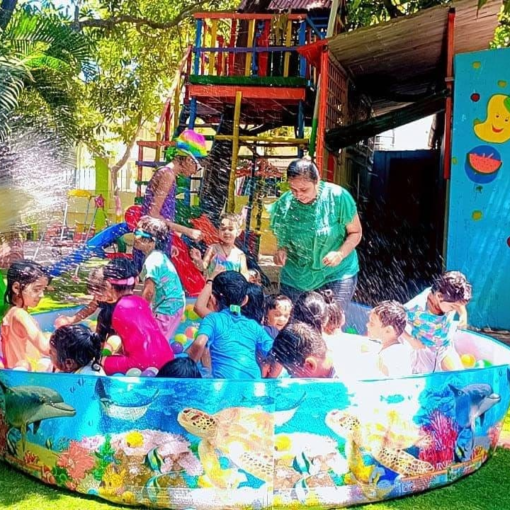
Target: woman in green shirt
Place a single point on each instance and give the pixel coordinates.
(317, 228)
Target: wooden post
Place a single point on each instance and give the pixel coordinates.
(212, 54)
(323, 108)
(235, 150)
(249, 44)
(450, 51)
(288, 42)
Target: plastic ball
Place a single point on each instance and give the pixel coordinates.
(191, 332)
(106, 351)
(181, 338)
(22, 365)
(114, 342)
(351, 330)
(468, 360)
(150, 372)
(134, 372)
(192, 315)
(118, 374)
(483, 363)
(177, 348)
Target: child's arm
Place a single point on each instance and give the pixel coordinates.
(80, 316)
(197, 348)
(413, 342)
(200, 307)
(149, 290)
(208, 255)
(26, 326)
(463, 317)
(196, 258)
(244, 266)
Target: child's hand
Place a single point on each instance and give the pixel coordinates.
(195, 255)
(62, 320)
(194, 234)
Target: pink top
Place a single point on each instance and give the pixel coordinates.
(143, 344)
(22, 339)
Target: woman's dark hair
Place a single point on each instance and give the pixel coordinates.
(335, 315)
(303, 168)
(254, 308)
(297, 342)
(454, 287)
(78, 343)
(157, 228)
(229, 288)
(311, 309)
(122, 271)
(24, 272)
(182, 368)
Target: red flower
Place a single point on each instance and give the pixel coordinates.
(47, 476)
(30, 458)
(77, 460)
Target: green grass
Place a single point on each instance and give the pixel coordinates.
(486, 489)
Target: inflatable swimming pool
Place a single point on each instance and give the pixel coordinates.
(255, 444)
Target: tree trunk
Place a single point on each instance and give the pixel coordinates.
(6, 11)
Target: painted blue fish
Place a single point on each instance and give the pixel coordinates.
(472, 402)
(153, 460)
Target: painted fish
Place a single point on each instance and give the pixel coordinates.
(472, 402)
(26, 405)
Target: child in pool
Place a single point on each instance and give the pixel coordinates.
(162, 286)
(430, 317)
(23, 343)
(225, 252)
(386, 323)
(76, 349)
(311, 309)
(335, 320)
(233, 340)
(182, 368)
(96, 288)
(143, 344)
(278, 309)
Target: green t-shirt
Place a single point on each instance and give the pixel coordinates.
(309, 232)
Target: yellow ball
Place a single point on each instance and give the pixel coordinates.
(114, 342)
(191, 315)
(468, 360)
(181, 338)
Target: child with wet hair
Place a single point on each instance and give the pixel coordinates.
(278, 310)
(96, 287)
(386, 323)
(431, 326)
(143, 343)
(301, 349)
(234, 341)
(311, 308)
(24, 345)
(332, 331)
(180, 368)
(162, 286)
(75, 349)
(224, 253)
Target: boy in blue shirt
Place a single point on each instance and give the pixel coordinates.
(234, 341)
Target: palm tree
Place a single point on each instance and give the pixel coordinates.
(41, 55)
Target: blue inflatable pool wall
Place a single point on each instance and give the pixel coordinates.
(255, 444)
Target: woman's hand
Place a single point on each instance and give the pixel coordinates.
(280, 257)
(333, 258)
(194, 234)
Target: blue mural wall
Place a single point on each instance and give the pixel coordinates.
(479, 207)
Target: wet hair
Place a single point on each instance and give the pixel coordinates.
(123, 270)
(303, 168)
(77, 343)
(454, 287)
(311, 308)
(273, 300)
(335, 314)
(392, 313)
(234, 218)
(95, 280)
(157, 228)
(181, 368)
(23, 272)
(229, 288)
(254, 308)
(297, 342)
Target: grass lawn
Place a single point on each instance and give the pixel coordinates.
(487, 489)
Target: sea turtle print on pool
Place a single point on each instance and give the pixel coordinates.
(243, 435)
(386, 447)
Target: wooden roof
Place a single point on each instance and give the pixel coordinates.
(406, 56)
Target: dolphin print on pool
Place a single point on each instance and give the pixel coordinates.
(26, 405)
